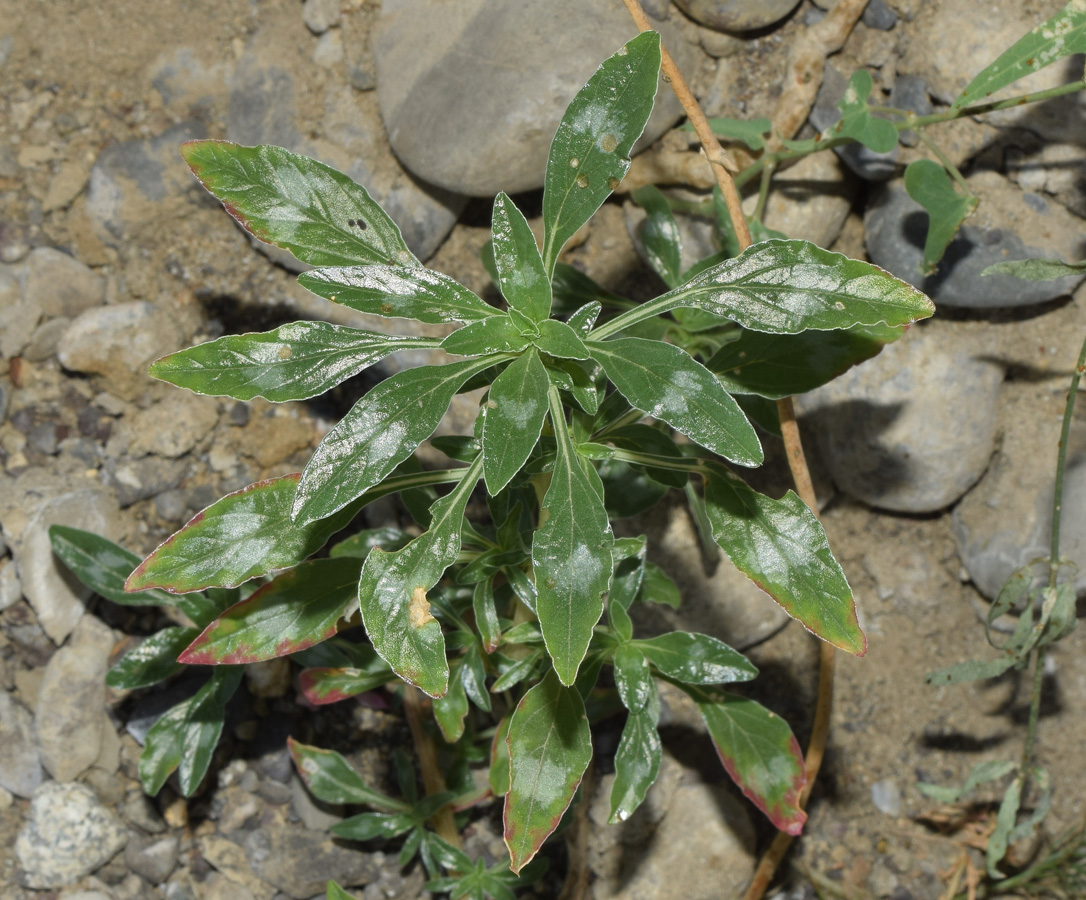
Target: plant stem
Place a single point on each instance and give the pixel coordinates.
(432, 779)
(1061, 464)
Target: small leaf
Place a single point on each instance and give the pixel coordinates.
(657, 587)
(696, 658)
(332, 779)
(750, 131)
(335, 892)
(781, 546)
(297, 203)
(1037, 269)
(982, 773)
(666, 383)
(637, 760)
(550, 746)
(398, 292)
(857, 122)
(151, 661)
(659, 234)
(571, 555)
(291, 362)
(451, 708)
(1061, 36)
(380, 432)
(521, 276)
(759, 752)
(486, 615)
(514, 414)
(393, 590)
(972, 670)
(368, 826)
(929, 185)
(585, 317)
(498, 775)
(295, 610)
(324, 685)
(1005, 819)
(496, 334)
(560, 340)
(590, 152)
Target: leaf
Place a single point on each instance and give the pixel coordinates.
(368, 826)
(590, 152)
(972, 670)
(323, 685)
(332, 779)
(295, 610)
(1058, 37)
(659, 234)
(362, 542)
(297, 203)
(637, 760)
(335, 892)
(759, 752)
(657, 587)
(291, 362)
(513, 418)
(393, 588)
(981, 773)
(498, 774)
(696, 658)
(786, 287)
(377, 434)
(585, 317)
(496, 334)
(398, 292)
(550, 746)
(524, 282)
(780, 365)
(571, 555)
(486, 615)
(1005, 819)
(667, 384)
(573, 290)
(1037, 269)
(856, 120)
(184, 738)
(560, 340)
(781, 546)
(750, 131)
(929, 185)
(451, 708)
(153, 660)
(243, 535)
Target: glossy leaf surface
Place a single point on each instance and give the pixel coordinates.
(103, 566)
(590, 152)
(781, 546)
(297, 203)
(637, 760)
(486, 615)
(550, 746)
(560, 340)
(524, 282)
(659, 233)
(515, 410)
(322, 685)
(496, 334)
(857, 122)
(696, 658)
(929, 185)
(332, 779)
(153, 660)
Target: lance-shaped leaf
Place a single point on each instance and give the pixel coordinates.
(668, 384)
(295, 610)
(153, 660)
(781, 546)
(786, 287)
(929, 185)
(324, 685)
(486, 614)
(857, 122)
(332, 779)
(637, 760)
(591, 148)
(184, 738)
(398, 292)
(696, 658)
(571, 555)
(291, 362)
(378, 434)
(550, 746)
(521, 276)
(297, 203)
(495, 334)
(1061, 36)
(759, 752)
(1037, 269)
(514, 414)
(780, 365)
(659, 234)
(243, 535)
(393, 587)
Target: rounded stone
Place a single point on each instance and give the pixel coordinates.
(737, 15)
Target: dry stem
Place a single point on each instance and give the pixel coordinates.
(432, 779)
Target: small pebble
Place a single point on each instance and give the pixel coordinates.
(886, 796)
(239, 414)
(878, 15)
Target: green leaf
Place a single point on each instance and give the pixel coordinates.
(380, 432)
(781, 546)
(585, 317)
(780, 365)
(153, 660)
(496, 334)
(291, 362)
(1037, 269)
(929, 185)
(368, 826)
(637, 760)
(666, 383)
(560, 340)
(696, 658)
(393, 588)
(498, 774)
(362, 542)
(550, 746)
(524, 282)
(335, 892)
(297, 203)
(398, 292)
(750, 131)
(184, 738)
(451, 708)
(1005, 819)
(590, 152)
(324, 685)
(759, 752)
(332, 779)
(486, 615)
(513, 418)
(981, 773)
(856, 120)
(1061, 36)
(786, 287)
(657, 587)
(660, 235)
(971, 670)
(295, 610)
(571, 555)
(243, 535)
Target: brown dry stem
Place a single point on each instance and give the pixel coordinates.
(432, 779)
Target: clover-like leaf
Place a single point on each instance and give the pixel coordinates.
(929, 185)
(857, 122)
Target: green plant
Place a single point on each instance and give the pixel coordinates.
(589, 415)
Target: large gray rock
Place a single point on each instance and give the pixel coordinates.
(19, 316)
(471, 92)
(20, 765)
(737, 15)
(69, 834)
(60, 285)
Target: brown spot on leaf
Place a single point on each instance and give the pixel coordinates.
(419, 610)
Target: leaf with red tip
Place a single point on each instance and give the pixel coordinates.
(297, 609)
(759, 752)
(324, 685)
